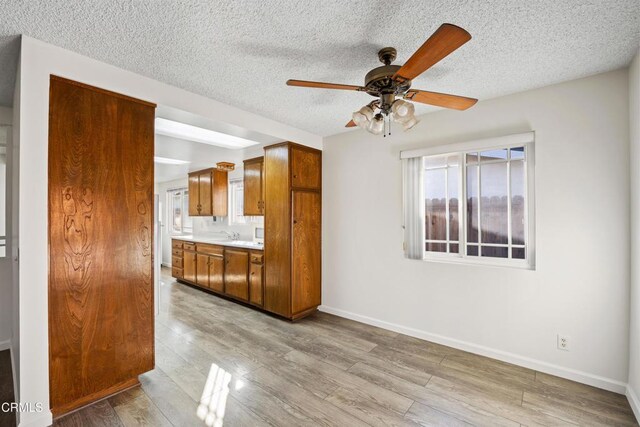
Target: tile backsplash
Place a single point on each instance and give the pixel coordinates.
(212, 227)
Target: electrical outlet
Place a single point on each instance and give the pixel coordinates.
(563, 342)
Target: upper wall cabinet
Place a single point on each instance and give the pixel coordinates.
(305, 169)
(208, 193)
(254, 186)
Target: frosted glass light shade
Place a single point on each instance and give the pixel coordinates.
(402, 111)
(363, 116)
(376, 125)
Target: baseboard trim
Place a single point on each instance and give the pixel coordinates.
(538, 365)
(5, 345)
(633, 401)
(43, 419)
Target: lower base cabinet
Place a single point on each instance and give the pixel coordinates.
(189, 272)
(234, 272)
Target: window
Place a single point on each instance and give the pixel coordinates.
(476, 202)
(178, 211)
(236, 202)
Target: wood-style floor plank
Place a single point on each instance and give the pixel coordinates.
(220, 363)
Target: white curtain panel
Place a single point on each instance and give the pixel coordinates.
(413, 193)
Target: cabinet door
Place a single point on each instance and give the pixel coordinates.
(305, 239)
(253, 188)
(219, 193)
(255, 284)
(305, 168)
(194, 195)
(189, 269)
(216, 273)
(204, 189)
(235, 274)
(202, 270)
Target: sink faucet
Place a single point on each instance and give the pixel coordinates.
(231, 234)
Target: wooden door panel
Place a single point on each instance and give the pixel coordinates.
(202, 270)
(219, 193)
(194, 195)
(101, 243)
(277, 232)
(235, 273)
(305, 168)
(306, 234)
(253, 188)
(216, 273)
(204, 188)
(255, 284)
(189, 269)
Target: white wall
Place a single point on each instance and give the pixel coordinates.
(15, 181)
(38, 61)
(633, 391)
(581, 283)
(6, 288)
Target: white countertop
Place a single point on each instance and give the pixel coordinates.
(222, 242)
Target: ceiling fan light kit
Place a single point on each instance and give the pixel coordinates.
(390, 82)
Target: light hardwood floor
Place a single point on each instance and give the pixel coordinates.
(220, 363)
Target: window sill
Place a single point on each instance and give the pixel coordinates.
(487, 262)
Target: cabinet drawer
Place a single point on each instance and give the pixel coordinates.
(188, 246)
(176, 272)
(176, 262)
(176, 244)
(176, 252)
(209, 249)
(256, 257)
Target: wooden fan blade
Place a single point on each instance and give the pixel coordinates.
(445, 40)
(351, 124)
(440, 99)
(322, 85)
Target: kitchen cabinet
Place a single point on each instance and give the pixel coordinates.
(256, 273)
(208, 191)
(292, 190)
(253, 186)
(236, 273)
(189, 269)
(216, 273)
(233, 272)
(202, 270)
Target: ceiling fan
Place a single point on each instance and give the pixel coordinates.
(389, 82)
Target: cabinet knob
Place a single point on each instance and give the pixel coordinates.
(295, 176)
(295, 221)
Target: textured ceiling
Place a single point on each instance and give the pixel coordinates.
(242, 52)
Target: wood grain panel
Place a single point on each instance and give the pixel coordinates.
(189, 267)
(277, 231)
(220, 193)
(202, 270)
(306, 236)
(101, 243)
(305, 168)
(255, 283)
(216, 273)
(253, 186)
(205, 180)
(194, 195)
(236, 268)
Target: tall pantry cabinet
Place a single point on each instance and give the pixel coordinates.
(292, 243)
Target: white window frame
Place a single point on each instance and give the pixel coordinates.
(525, 140)
(185, 212)
(233, 218)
